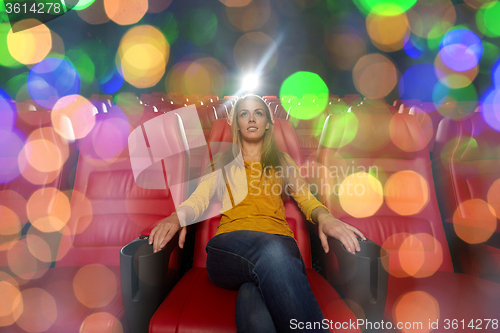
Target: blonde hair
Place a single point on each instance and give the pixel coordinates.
(271, 157)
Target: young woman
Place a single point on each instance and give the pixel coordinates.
(254, 250)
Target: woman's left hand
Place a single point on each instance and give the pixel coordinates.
(345, 233)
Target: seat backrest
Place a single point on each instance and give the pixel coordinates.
(376, 175)
(108, 208)
(467, 169)
(287, 142)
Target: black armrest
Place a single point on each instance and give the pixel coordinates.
(363, 276)
(144, 280)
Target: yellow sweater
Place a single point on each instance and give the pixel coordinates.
(259, 206)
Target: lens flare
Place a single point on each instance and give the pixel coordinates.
(487, 19)
(10, 228)
(255, 51)
(6, 58)
(11, 303)
(29, 46)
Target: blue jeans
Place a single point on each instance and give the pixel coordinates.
(269, 272)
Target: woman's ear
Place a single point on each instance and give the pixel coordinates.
(267, 126)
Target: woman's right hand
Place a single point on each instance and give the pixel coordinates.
(166, 230)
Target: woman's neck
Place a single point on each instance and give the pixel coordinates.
(251, 151)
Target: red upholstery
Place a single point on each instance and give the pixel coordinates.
(196, 304)
(308, 132)
(351, 99)
(467, 167)
(399, 211)
(108, 210)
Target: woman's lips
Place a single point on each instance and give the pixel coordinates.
(252, 129)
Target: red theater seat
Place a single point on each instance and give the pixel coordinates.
(467, 170)
(196, 304)
(107, 210)
(379, 174)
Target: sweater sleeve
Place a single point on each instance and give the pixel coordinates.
(301, 193)
(200, 199)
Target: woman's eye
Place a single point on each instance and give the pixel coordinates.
(259, 113)
(243, 114)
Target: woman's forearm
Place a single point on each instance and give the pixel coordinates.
(318, 213)
(185, 214)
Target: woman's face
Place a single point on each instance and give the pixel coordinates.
(252, 120)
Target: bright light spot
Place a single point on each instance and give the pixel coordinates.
(360, 194)
(374, 76)
(250, 82)
(31, 45)
(11, 302)
(23, 264)
(416, 306)
(95, 285)
(125, 12)
(10, 228)
(474, 221)
(420, 255)
(388, 33)
(406, 192)
(40, 310)
(48, 209)
(101, 322)
(142, 56)
(73, 117)
(494, 197)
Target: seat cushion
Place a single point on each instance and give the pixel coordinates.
(197, 305)
(442, 296)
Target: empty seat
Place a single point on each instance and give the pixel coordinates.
(466, 165)
(196, 304)
(377, 176)
(107, 210)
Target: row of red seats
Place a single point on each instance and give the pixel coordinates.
(105, 199)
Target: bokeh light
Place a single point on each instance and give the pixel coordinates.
(416, 307)
(11, 144)
(52, 79)
(432, 21)
(461, 49)
(95, 13)
(345, 46)
(11, 302)
(491, 107)
(125, 12)
(23, 264)
(385, 7)
(157, 6)
(95, 285)
(474, 221)
(452, 78)
(360, 194)
(388, 33)
(418, 82)
(142, 56)
(32, 45)
(487, 19)
(199, 26)
(10, 228)
(249, 17)
(493, 197)
(420, 255)
(101, 322)
(73, 117)
(48, 209)
(39, 310)
(83, 64)
(6, 58)
(374, 76)
(235, 3)
(205, 75)
(406, 192)
(301, 84)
